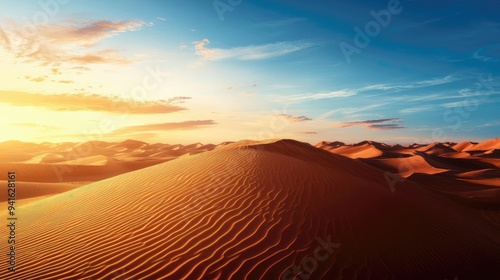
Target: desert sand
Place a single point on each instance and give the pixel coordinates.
(274, 209)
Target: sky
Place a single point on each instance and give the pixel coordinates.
(185, 71)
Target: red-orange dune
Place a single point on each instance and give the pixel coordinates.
(256, 210)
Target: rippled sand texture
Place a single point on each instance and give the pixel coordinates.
(254, 210)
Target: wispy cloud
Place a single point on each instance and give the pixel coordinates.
(480, 54)
(51, 43)
(350, 110)
(36, 79)
(258, 52)
(86, 102)
(375, 87)
(477, 55)
(37, 126)
(411, 85)
(378, 124)
(293, 119)
(4, 39)
(164, 126)
(417, 109)
(465, 103)
(318, 95)
(415, 25)
(490, 124)
(279, 23)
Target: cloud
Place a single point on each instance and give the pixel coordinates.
(477, 56)
(376, 87)
(66, 82)
(85, 102)
(466, 103)
(177, 100)
(36, 79)
(4, 39)
(385, 126)
(85, 34)
(350, 110)
(378, 124)
(308, 132)
(492, 50)
(164, 126)
(104, 56)
(319, 95)
(293, 119)
(279, 23)
(161, 18)
(410, 85)
(51, 43)
(258, 52)
(55, 71)
(417, 109)
(415, 25)
(81, 68)
(37, 126)
(490, 124)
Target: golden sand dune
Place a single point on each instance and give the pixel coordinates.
(72, 153)
(254, 210)
(81, 163)
(28, 190)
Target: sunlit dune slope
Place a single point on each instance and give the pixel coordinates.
(252, 211)
(51, 168)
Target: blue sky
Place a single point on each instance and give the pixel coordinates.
(392, 71)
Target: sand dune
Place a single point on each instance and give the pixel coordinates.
(406, 166)
(255, 210)
(81, 163)
(364, 150)
(462, 146)
(72, 152)
(484, 146)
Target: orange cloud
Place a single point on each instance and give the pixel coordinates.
(51, 43)
(4, 39)
(104, 56)
(164, 126)
(201, 50)
(293, 119)
(81, 68)
(37, 126)
(85, 102)
(36, 79)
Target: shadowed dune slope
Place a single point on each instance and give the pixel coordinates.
(252, 210)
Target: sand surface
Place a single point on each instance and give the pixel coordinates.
(275, 209)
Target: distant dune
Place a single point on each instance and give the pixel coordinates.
(47, 169)
(276, 209)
